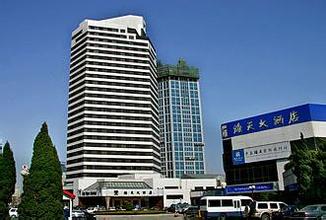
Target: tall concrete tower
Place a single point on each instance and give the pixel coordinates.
(113, 124)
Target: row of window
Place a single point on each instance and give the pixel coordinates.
(118, 124)
(222, 202)
(102, 167)
(94, 82)
(100, 152)
(103, 28)
(98, 175)
(125, 98)
(116, 138)
(116, 110)
(115, 46)
(112, 145)
(87, 88)
(113, 160)
(105, 103)
(98, 70)
(82, 58)
(131, 118)
(111, 131)
(97, 63)
(85, 49)
(108, 35)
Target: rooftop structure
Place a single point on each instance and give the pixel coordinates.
(182, 69)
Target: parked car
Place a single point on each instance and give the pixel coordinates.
(13, 213)
(172, 208)
(78, 214)
(264, 209)
(120, 209)
(191, 213)
(181, 207)
(89, 216)
(317, 211)
(284, 213)
(91, 209)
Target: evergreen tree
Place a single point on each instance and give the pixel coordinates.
(42, 196)
(7, 178)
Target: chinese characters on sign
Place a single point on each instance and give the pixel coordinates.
(263, 122)
(261, 153)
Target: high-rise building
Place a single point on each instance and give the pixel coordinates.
(181, 129)
(113, 125)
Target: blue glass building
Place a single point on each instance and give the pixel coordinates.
(181, 133)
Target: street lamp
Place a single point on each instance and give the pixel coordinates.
(252, 188)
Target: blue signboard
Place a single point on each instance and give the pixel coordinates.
(292, 187)
(286, 117)
(245, 188)
(238, 157)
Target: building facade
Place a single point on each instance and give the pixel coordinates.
(143, 190)
(181, 129)
(113, 123)
(256, 149)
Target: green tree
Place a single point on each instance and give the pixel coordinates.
(308, 162)
(42, 196)
(7, 178)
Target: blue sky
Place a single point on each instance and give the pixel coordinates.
(254, 56)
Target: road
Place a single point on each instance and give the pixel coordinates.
(140, 217)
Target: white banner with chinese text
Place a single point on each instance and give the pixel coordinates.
(267, 152)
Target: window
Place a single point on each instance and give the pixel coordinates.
(171, 187)
(199, 188)
(214, 203)
(115, 192)
(273, 206)
(125, 192)
(174, 197)
(262, 206)
(282, 205)
(210, 187)
(227, 203)
(203, 202)
(323, 208)
(236, 204)
(245, 202)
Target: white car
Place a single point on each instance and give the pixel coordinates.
(78, 214)
(263, 209)
(13, 213)
(91, 209)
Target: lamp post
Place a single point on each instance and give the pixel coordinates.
(252, 188)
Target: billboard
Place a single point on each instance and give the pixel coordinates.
(261, 153)
(282, 118)
(246, 188)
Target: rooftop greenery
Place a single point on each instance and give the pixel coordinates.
(180, 70)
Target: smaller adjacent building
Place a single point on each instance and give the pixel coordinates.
(143, 190)
(256, 149)
(181, 128)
